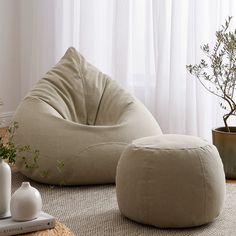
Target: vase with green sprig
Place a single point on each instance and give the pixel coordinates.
(8, 153)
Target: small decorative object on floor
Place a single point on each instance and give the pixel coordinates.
(26, 203)
(8, 152)
(5, 189)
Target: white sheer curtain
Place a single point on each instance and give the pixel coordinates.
(143, 44)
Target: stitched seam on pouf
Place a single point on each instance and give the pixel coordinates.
(170, 149)
(203, 180)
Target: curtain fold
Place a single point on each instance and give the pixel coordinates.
(143, 44)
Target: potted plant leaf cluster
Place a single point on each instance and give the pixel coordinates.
(217, 73)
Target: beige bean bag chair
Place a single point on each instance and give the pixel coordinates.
(80, 117)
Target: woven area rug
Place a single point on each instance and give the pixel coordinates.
(93, 210)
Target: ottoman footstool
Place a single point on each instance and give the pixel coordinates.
(170, 181)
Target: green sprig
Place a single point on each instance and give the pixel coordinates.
(9, 150)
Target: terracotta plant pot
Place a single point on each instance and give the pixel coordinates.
(226, 145)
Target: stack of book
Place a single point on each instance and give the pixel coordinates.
(10, 227)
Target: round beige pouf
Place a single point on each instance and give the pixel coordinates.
(170, 181)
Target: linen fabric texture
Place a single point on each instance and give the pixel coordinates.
(170, 181)
(79, 117)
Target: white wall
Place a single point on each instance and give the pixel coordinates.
(25, 42)
(9, 57)
(37, 42)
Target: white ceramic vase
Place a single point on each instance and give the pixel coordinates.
(5, 189)
(26, 203)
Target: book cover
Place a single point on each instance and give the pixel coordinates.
(10, 227)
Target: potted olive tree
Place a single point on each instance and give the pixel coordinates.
(217, 73)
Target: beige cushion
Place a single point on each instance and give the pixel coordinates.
(80, 116)
(170, 181)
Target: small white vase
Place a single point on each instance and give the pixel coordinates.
(26, 203)
(5, 189)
